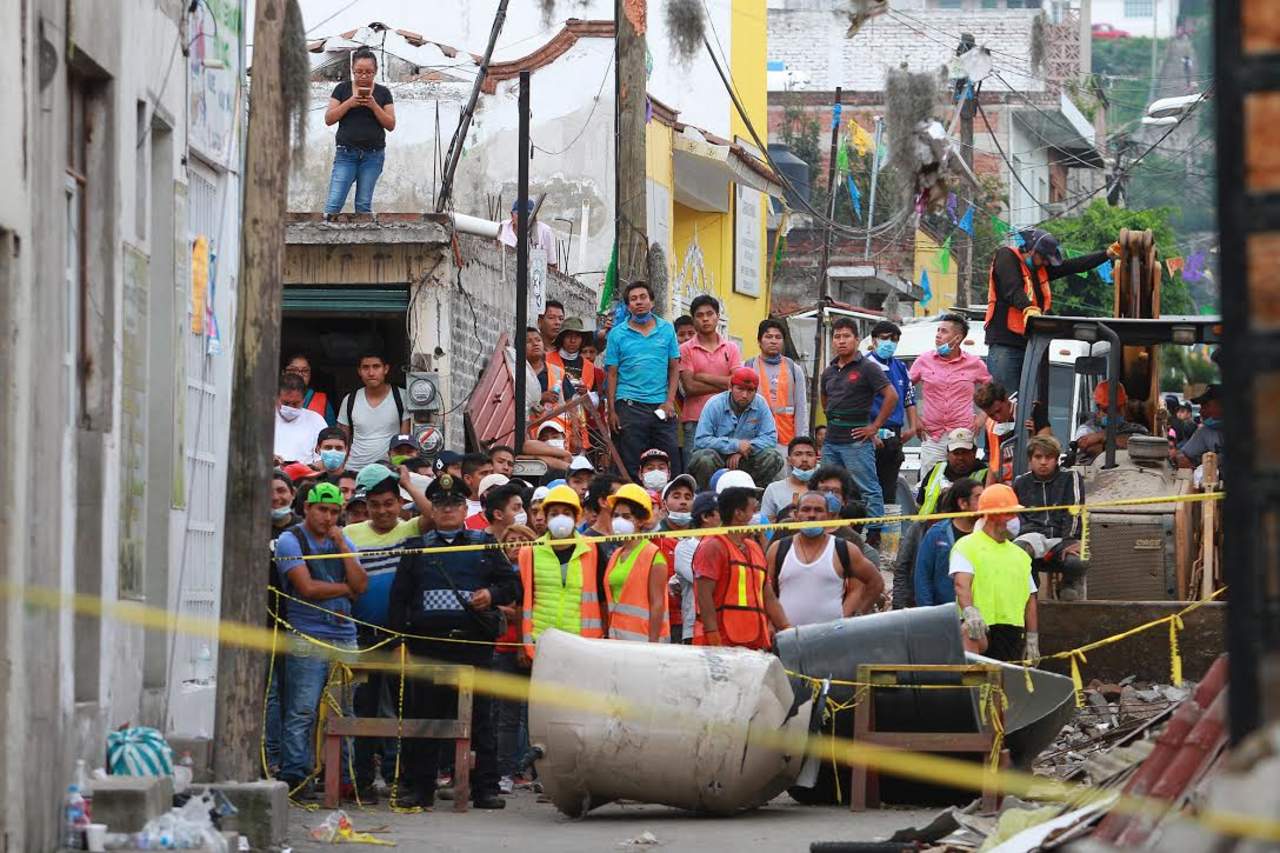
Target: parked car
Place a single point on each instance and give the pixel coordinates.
(1106, 31)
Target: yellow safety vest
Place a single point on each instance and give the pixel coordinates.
(933, 486)
(571, 604)
(1001, 578)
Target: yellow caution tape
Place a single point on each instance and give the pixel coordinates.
(926, 767)
(749, 529)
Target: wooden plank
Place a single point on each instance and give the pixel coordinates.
(932, 741)
(1209, 538)
(388, 727)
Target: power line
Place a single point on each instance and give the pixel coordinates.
(595, 103)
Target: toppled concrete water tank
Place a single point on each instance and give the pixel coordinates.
(681, 735)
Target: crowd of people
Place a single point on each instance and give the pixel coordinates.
(707, 442)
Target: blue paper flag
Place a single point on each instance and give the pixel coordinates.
(1104, 271)
(951, 206)
(855, 197)
(924, 285)
(1019, 239)
(966, 221)
(1194, 268)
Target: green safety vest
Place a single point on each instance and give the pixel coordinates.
(558, 603)
(933, 486)
(1001, 579)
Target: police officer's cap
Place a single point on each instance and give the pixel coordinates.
(447, 489)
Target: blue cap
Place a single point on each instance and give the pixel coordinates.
(515, 205)
(554, 483)
(715, 478)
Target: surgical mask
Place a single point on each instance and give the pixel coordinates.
(833, 503)
(1014, 526)
(560, 527)
(1212, 423)
(642, 318)
(565, 355)
(772, 359)
(802, 474)
(449, 534)
(944, 350)
(1002, 429)
(400, 459)
(655, 478)
(289, 414)
(886, 349)
(812, 532)
(521, 517)
(680, 517)
(281, 514)
(556, 443)
(332, 459)
(623, 526)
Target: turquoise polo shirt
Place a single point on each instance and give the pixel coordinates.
(642, 360)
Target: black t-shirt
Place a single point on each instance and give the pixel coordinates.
(359, 128)
(849, 391)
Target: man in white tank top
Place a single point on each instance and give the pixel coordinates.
(818, 577)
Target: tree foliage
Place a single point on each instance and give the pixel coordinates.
(1095, 228)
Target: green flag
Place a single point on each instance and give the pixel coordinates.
(610, 281)
(944, 262)
(777, 250)
(1000, 226)
(842, 159)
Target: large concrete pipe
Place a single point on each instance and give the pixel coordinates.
(682, 733)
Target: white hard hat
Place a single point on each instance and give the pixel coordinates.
(734, 479)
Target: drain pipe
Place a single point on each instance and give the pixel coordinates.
(464, 224)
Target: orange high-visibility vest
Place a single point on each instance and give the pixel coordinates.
(996, 451)
(1014, 318)
(780, 402)
(740, 608)
(570, 603)
(588, 369)
(629, 614)
(555, 382)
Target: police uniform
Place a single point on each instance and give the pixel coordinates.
(430, 597)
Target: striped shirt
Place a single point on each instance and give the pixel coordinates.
(372, 605)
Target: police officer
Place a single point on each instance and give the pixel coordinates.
(452, 596)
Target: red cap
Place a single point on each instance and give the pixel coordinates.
(744, 376)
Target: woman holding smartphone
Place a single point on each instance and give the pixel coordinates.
(364, 113)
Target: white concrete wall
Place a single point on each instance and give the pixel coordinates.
(1163, 23)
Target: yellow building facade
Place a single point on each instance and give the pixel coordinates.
(709, 196)
(928, 258)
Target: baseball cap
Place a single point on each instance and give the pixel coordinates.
(299, 471)
(1039, 240)
(539, 493)
(551, 424)
(654, 453)
(960, 439)
(373, 474)
(745, 377)
(703, 503)
(401, 439)
(447, 458)
(515, 205)
(359, 496)
(324, 493)
(1213, 392)
(685, 480)
(489, 481)
(735, 479)
(582, 463)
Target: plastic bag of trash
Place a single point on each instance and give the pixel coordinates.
(189, 827)
(337, 829)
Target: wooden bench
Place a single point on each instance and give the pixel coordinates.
(457, 729)
(866, 781)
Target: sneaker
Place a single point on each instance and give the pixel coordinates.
(425, 800)
(523, 783)
(444, 780)
(489, 801)
(507, 785)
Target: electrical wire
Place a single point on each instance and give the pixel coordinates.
(587, 123)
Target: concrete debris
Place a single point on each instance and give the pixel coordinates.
(644, 839)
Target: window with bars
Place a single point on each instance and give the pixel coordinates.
(1139, 8)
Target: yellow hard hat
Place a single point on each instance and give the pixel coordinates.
(636, 494)
(563, 495)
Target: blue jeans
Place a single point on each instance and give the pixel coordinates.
(509, 719)
(1004, 363)
(273, 726)
(859, 458)
(359, 166)
(306, 671)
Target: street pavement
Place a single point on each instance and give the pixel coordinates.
(527, 825)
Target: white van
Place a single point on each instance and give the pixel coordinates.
(1070, 395)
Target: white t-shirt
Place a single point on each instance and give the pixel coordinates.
(373, 429)
(540, 237)
(295, 440)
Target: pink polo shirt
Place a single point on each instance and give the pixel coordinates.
(695, 358)
(947, 390)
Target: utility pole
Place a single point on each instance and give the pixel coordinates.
(459, 139)
(242, 671)
(630, 209)
(824, 279)
(522, 263)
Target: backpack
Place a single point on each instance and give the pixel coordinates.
(351, 405)
(842, 552)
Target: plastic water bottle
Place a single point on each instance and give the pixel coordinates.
(75, 821)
